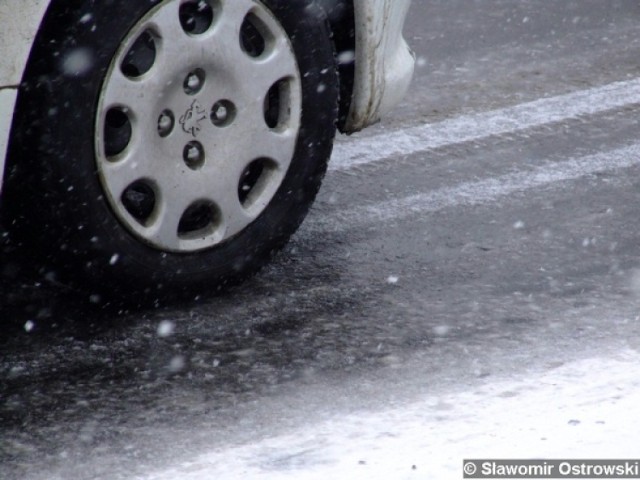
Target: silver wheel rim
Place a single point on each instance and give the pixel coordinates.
(197, 121)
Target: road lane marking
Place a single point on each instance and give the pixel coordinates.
(475, 193)
(377, 148)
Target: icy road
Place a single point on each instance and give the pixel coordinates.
(467, 286)
(576, 409)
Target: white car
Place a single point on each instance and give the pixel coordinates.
(173, 145)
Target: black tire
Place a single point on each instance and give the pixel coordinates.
(54, 199)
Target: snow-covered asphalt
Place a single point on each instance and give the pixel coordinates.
(467, 285)
(584, 409)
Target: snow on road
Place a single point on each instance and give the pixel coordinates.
(480, 192)
(478, 126)
(387, 146)
(584, 409)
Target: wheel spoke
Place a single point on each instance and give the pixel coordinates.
(172, 38)
(130, 93)
(136, 99)
(260, 140)
(276, 61)
(137, 165)
(265, 72)
(177, 194)
(164, 228)
(230, 19)
(173, 206)
(236, 218)
(122, 90)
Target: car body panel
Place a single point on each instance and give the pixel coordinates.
(7, 103)
(384, 62)
(16, 36)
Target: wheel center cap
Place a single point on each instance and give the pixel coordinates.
(191, 120)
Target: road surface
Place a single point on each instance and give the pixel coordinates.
(467, 285)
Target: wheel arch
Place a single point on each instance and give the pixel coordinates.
(341, 18)
(375, 62)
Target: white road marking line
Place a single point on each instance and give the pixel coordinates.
(476, 193)
(412, 140)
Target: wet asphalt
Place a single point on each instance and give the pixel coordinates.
(354, 316)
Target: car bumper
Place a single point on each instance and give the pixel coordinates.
(384, 61)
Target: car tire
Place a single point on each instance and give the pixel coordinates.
(168, 148)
